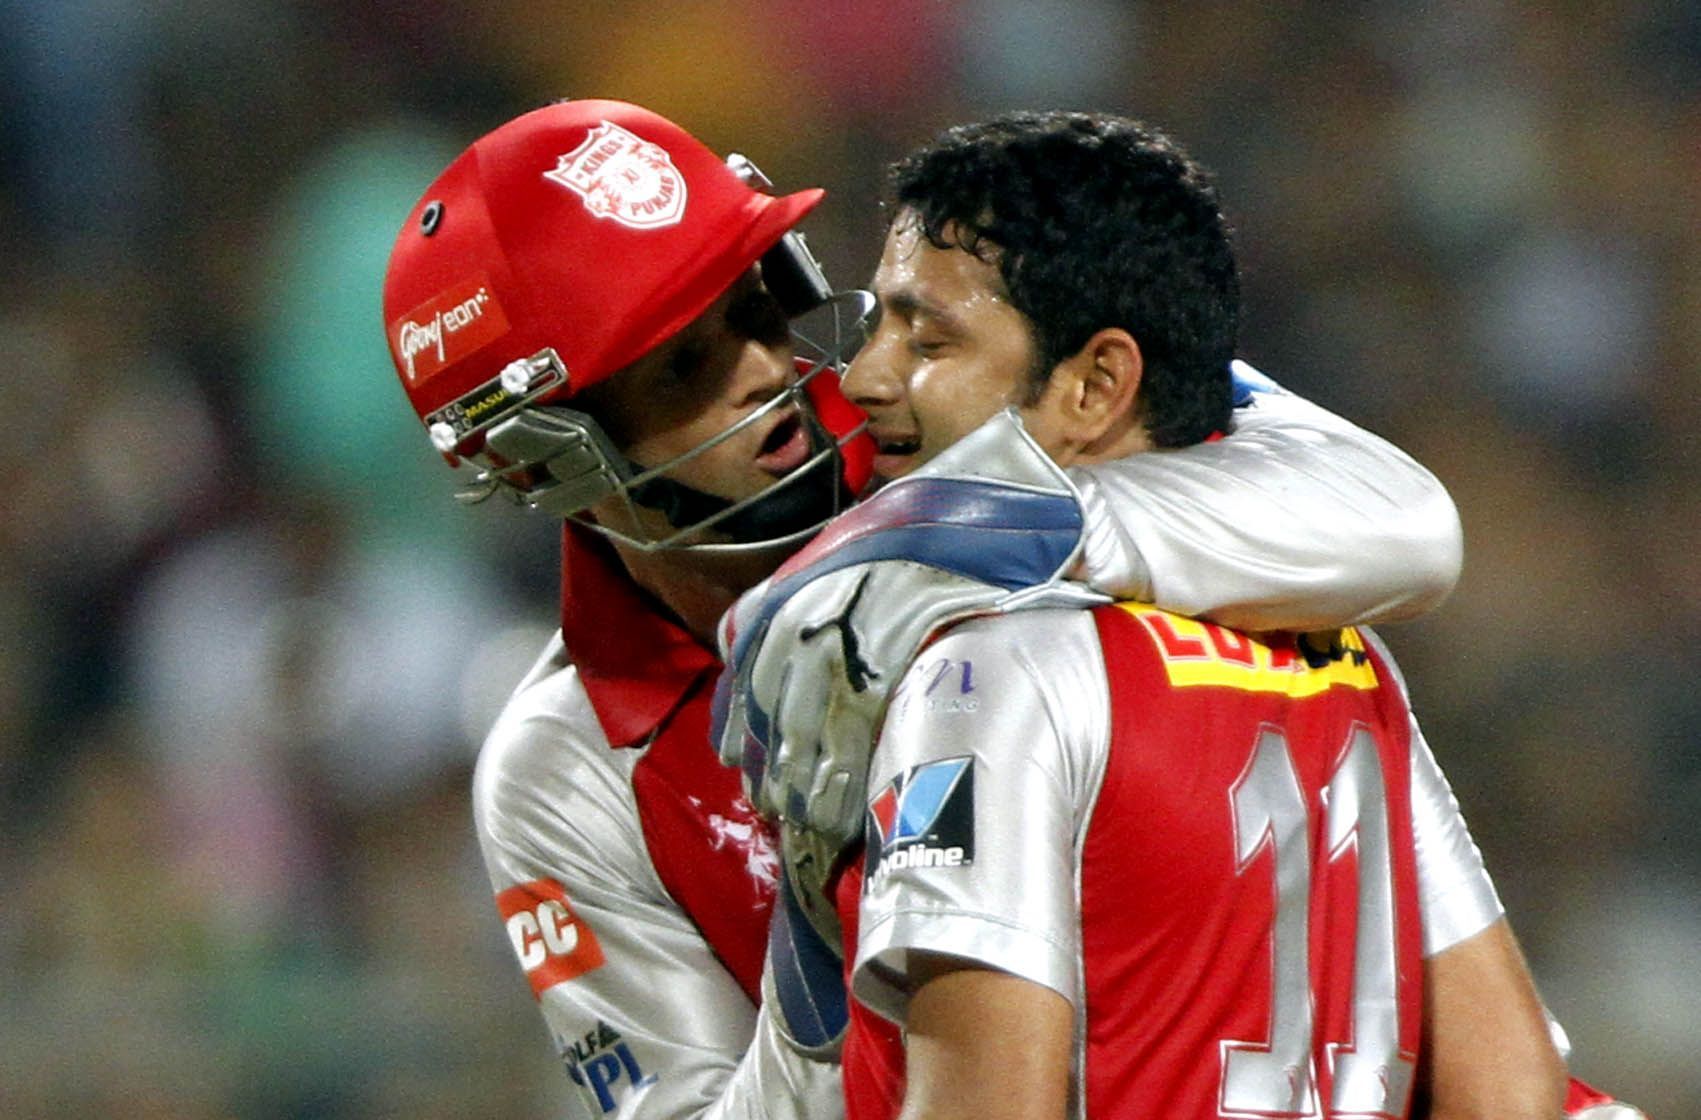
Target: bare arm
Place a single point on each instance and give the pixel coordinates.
(986, 1045)
(1486, 1036)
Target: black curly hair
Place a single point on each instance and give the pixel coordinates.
(1094, 221)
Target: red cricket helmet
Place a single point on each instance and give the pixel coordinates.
(560, 248)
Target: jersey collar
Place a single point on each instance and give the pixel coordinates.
(635, 661)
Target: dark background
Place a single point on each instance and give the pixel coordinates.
(249, 645)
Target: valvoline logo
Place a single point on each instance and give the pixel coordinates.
(924, 817)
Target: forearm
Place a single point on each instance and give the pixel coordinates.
(1297, 521)
(774, 1082)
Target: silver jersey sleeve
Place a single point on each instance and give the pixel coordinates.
(1297, 520)
(1458, 895)
(1025, 697)
(1459, 899)
(660, 1030)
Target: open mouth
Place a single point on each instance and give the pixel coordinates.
(894, 455)
(786, 446)
(897, 445)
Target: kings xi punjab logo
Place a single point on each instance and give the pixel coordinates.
(623, 177)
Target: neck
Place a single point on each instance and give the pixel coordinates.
(697, 587)
(1127, 436)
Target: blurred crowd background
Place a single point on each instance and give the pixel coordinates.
(249, 645)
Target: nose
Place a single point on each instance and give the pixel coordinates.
(764, 369)
(873, 380)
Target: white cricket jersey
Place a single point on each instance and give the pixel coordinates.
(645, 1015)
(1026, 697)
(633, 878)
(606, 876)
(1207, 851)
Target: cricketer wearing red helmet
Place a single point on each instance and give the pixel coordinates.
(590, 310)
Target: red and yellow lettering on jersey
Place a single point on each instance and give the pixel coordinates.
(1202, 653)
(1249, 929)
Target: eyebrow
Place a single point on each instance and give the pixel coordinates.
(909, 304)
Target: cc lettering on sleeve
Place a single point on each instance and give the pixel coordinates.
(553, 943)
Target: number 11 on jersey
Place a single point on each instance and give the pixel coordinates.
(1278, 1078)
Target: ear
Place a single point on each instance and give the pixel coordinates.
(1101, 384)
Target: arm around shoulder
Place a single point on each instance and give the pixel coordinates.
(1298, 520)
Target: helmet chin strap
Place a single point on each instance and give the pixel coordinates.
(804, 501)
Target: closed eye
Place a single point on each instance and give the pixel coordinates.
(756, 315)
(686, 361)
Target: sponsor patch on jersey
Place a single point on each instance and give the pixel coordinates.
(601, 1061)
(950, 687)
(553, 943)
(922, 818)
(446, 328)
(624, 178)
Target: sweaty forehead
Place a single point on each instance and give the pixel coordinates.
(916, 276)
